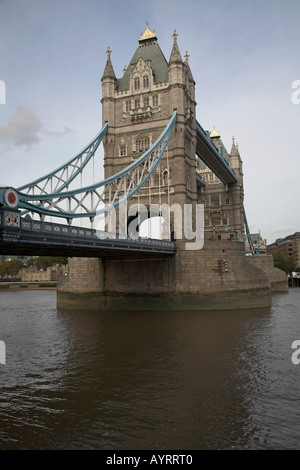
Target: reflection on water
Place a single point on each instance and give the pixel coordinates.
(148, 380)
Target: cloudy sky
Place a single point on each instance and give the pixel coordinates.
(244, 56)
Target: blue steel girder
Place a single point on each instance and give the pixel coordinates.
(248, 233)
(97, 198)
(208, 153)
(62, 177)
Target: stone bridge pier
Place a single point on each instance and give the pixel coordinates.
(219, 276)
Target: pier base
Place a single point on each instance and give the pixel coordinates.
(219, 276)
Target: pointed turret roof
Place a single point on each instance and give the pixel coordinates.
(149, 51)
(234, 149)
(186, 63)
(175, 56)
(109, 70)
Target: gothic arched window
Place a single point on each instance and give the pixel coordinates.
(136, 83)
(146, 81)
(155, 100)
(123, 150)
(142, 144)
(128, 106)
(156, 179)
(166, 177)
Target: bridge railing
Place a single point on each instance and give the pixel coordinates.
(67, 231)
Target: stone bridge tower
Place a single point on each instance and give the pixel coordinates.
(139, 105)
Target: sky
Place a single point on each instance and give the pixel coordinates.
(244, 57)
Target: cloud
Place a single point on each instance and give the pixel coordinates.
(66, 131)
(284, 228)
(25, 128)
(22, 128)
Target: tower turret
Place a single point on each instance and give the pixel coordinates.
(109, 82)
(236, 161)
(176, 76)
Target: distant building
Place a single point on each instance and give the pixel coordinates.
(288, 247)
(33, 274)
(8, 257)
(259, 244)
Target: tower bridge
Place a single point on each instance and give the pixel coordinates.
(156, 154)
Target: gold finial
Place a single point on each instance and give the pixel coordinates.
(148, 33)
(214, 133)
(186, 56)
(108, 52)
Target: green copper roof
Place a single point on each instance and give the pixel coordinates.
(148, 50)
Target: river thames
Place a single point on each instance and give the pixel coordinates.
(148, 380)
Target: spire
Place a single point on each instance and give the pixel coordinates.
(234, 149)
(109, 70)
(175, 56)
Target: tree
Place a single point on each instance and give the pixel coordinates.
(46, 261)
(287, 265)
(10, 267)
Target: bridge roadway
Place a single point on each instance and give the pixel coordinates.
(209, 154)
(35, 238)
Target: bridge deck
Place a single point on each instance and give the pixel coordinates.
(35, 238)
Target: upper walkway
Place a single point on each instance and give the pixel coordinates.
(209, 154)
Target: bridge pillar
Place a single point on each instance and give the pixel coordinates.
(81, 285)
(219, 276)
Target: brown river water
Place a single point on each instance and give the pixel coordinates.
(148, 379)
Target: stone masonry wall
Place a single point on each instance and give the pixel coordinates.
(217, 274)
(278, 279)
(84, 275)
